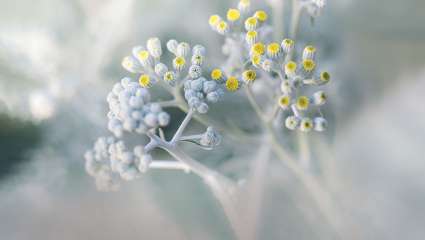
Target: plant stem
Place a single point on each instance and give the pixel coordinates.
(183, 126)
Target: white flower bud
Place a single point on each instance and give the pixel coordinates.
(213, 97)
(131, 64)
(306, 124)
(319, 98)
(194, 102)
(151, 120)
(144, 163)
(161, 69)
(197, 84)
(199, 50)
(154, 47)
(127, 157)
(172, 46)
(129, 124)
(183, 49)
(139, 150)
(320, 124)
(130, 174)
(292, 122)
(209, 86)
(163, 119)
(195, 71)
(202, 108)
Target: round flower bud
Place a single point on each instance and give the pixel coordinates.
(233, 15)
(194, 102)
(195, 71)
(244, 5)
(139, 150)
(217, 75)
(249, 76)
(267, 65)
(306, 124)
(170, 77)
(144, 162)
(129, 124)
(151, 120)
(213, 21)
(179, 63)
(319, 98)
(172, 46)
(261, 15)
(320, 124)
(222, 27)
(292, 122)
(302, 103)
(163, 119)
(130, 174)
(202, 108)
(251, 23)
(127, 157)
(309, 52)
(143, 56)
(251, 37)
(197, 84)
(257, 49)
(154, 47)
(199, 50)
(197, 59)
(273, 50)
(324, 78)
(290, 68)
(287, 45)
(209, 86)
(161, 69)
(130, 64)
(308, 65)
(213, 97)
(284, 101)
(183, 49)
(232, 84)
(145, 81)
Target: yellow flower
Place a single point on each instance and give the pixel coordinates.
(179, 63)
(216, 74)
(258, 48)
(169, 76)
(251, 23)
(145, 80)
(284, 101)
(256, 60)
(309, 65)
(233, 14)
(232, 84)
(261, 15)
(306, 124)
(251, 37)
(143, 55)
(222, 27)
(290, 68)
(287, 45)
(302, 103)
(273, 49)
(249, 75)
(214, 20)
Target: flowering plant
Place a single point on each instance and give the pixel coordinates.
(258, 63)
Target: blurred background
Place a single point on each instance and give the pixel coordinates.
(59, 58)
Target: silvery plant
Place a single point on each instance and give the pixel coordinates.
(259, 64)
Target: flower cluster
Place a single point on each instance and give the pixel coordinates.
(260, 52)
(199, 91)
(130, 109)
(109, 160)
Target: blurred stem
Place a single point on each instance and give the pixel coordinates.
(278, 19)
(320, 196)
(295, 19)
(304, 150)
(222, 187)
